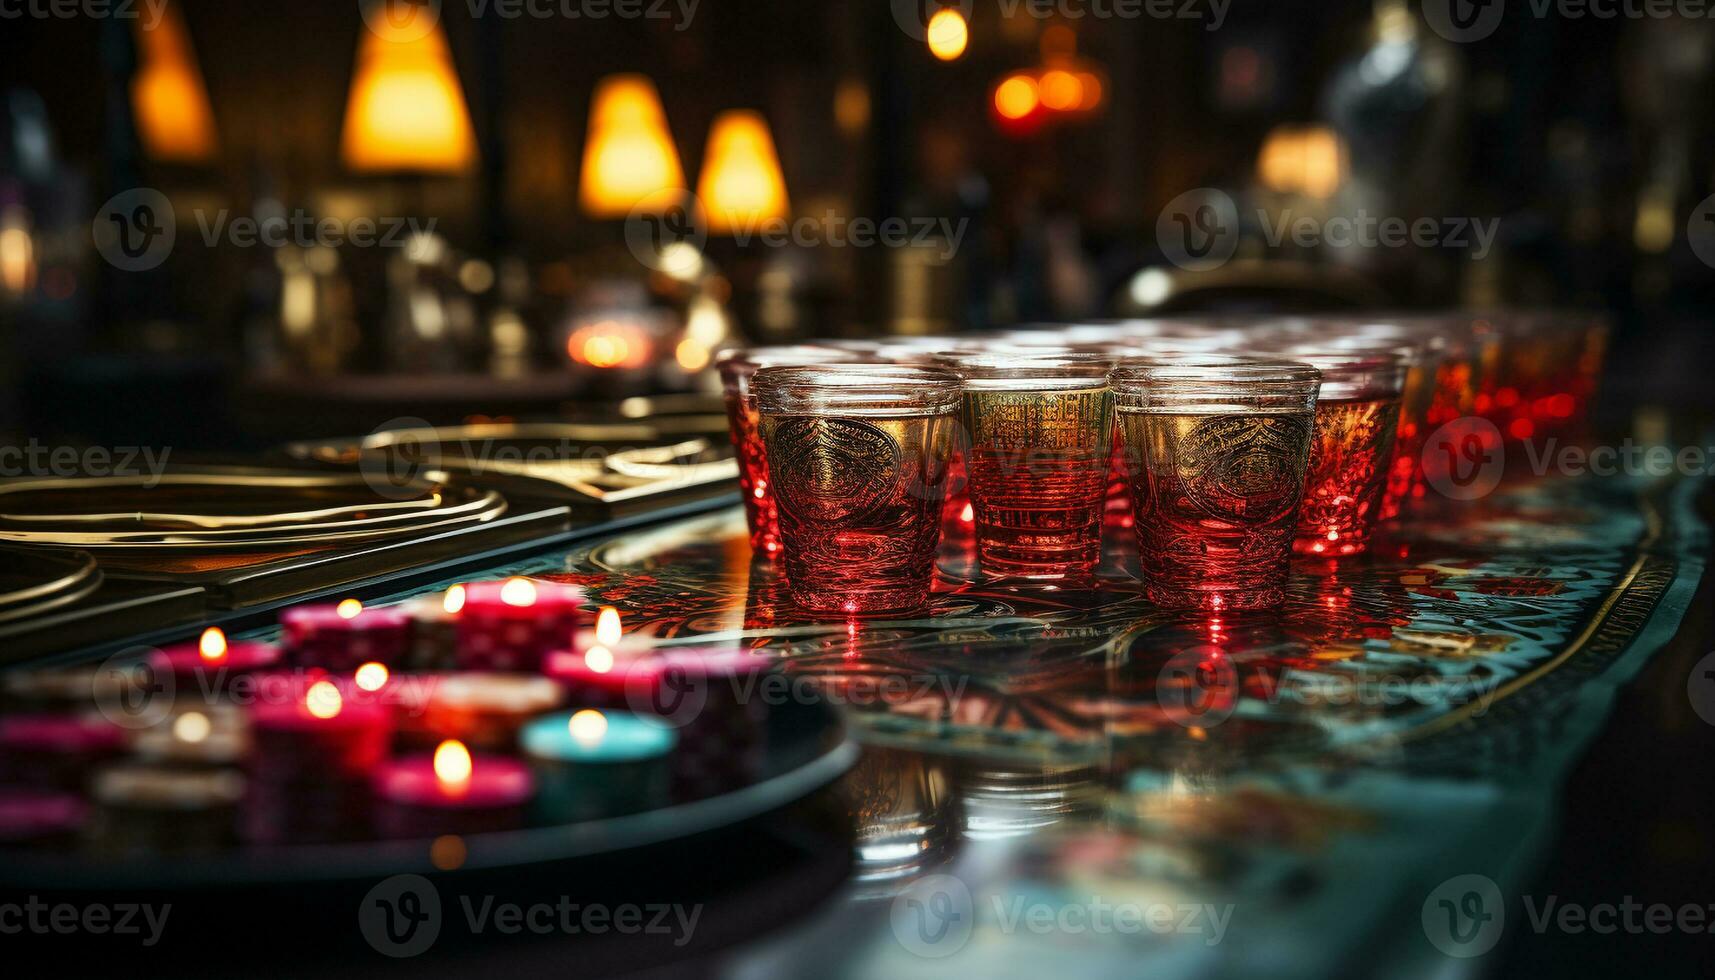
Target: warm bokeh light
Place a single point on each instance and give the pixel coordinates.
(1060, 90)
(452, 764)
(609, 344)
(323, 700)
(349, 609)
(588, 725)
(629, 156)
(212, 646)
(453, 601)
(598, 659)
(692, 355)
(1016, 97)
(1309, 160)
(948, 34)
(406, 111)
(741, 185)
(372, 676)
(607, 627)
(192, 727)
(519, 593)
(168, 96)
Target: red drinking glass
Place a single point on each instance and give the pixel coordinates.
(1039, 425)
(737, 368)
(1357, 415)
(857, 457)
(1216, 450)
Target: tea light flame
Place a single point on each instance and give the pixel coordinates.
(192, 727)
(454, 601)
(452, 764)
(323, 700)
(349, 609)
(372, 676)
(607, 631)
(518, 592)
(598, 659)
(588, 726)
(212, 646)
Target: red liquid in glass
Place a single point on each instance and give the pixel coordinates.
(1216, 499)
(745, 425)
(859, 502)
(1039, 513)
(1349, 460)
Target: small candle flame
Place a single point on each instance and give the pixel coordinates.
(607, 631)
(452, 765)
(323, 700)
(598, 659)
(192, 727)
(588, 725)
(212, 646)
(454, 601)
(518, 592)
(349, 609)
(372, 676)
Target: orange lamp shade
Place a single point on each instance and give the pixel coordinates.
(168, 97)
(629, 156)
(741, 184)
(406, 111)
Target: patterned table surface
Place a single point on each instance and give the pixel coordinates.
(1040, 758)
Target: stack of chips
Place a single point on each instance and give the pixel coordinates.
(484, 711)
(40, 818)
(509, 625)
(717, 701)
(312, 755)
(344, 637)
(435, 630)
(55, 750)
(157, 810)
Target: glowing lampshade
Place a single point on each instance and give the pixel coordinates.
(406, 110)
(167, 94)
(629, 156)
(1310, 161)
(741, 184)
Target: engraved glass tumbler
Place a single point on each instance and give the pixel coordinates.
(857, 455)
(1041, 446)
(1216, 450)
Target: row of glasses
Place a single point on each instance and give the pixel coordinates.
(1236, 441)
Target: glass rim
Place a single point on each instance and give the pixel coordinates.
(749, 360)
(1033, 368)
(1221, 370)
(859, 386)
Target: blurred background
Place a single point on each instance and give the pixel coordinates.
(225, 224)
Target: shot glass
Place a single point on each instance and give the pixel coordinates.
(1040, 429)
(857, 458)
(1216, 450)
(1357, 417)
(737, 368)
